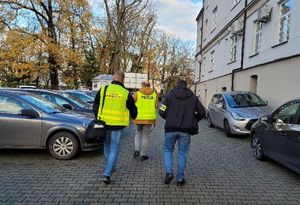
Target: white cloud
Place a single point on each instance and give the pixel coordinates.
(178, 17)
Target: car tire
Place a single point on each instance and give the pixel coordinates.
(227, 128)
(210, 124)
(63, 146)
(257, 147)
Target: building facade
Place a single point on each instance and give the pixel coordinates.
(249, 45)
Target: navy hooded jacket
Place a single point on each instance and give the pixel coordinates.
(182, 111)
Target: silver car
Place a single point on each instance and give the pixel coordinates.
(28, 121)
(236, 111)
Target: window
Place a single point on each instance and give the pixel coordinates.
(233, 47)
(212, 59)
(214, 23)
(253, 83)
(257, 37)
(287, 113)
(285, 18)
(10, 105)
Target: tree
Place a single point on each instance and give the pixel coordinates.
(121, 14)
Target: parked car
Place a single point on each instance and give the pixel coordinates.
(91, 93)
(29, 121)
(236, 111)
(80, 95)
(69, 102)
(278, 135)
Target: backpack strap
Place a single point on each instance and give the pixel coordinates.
(102, 98)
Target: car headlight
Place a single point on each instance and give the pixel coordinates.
(236, 116)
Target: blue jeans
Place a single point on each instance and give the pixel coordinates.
(111, 150)
(184, 140)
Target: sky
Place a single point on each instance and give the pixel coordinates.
(178, 17)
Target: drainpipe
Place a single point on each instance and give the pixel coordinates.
(243, 47)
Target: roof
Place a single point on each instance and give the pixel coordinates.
(103, 77)
(13, 92)
(200, 13)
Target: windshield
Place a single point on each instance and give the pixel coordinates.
(91, 93)
(43, 103)
(244, 100)
(81, 96)
(76, 101)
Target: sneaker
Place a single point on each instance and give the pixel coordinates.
(144, 157)
(181, 182)
(106, 180)
(169, 177)
(136, 153)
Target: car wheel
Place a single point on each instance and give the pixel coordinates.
(210, 124)
(227, 128)
(63, 145)
(257, 147)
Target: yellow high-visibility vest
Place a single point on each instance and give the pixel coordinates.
(115, 112)
(146, 105)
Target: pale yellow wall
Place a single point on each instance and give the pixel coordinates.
(213, 87)
(277, 82)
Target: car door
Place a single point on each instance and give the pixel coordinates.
(17, 130)
(212, 108)
(276, 136)
(220, 111)
(293, 147)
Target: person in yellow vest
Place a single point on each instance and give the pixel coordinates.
(146, 101)
(118, 106)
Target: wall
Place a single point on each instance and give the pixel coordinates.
(270, 33)
(212, 87)
(277, 82)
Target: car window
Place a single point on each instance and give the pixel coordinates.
(221, 101)
(81, 97)
(48, 97)
(214, 99)
(9, 105)
(287, 113)
(59, 100)
(244, 100)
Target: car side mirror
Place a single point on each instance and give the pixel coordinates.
(29, 113)
(67, 106)
(266, 102)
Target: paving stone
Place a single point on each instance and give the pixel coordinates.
(220, 170)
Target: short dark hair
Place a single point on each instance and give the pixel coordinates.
(182, 82)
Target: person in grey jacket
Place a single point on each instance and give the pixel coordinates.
(182, 111)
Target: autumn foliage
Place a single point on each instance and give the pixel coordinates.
(65, 43)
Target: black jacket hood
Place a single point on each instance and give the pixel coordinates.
(182, 92)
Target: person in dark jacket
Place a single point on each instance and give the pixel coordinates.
(182, 111)
(114, 106)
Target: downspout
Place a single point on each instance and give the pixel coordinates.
(243, 46)
(201, 39)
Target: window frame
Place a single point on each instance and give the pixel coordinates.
(214, 20)
(284, 29)
(258, 31)
(233, 53)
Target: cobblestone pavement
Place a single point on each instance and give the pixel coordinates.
(220, 170)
